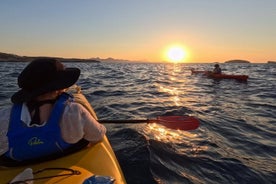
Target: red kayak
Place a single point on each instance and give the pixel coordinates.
(220, 76)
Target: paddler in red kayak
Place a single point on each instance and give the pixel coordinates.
(217, 69)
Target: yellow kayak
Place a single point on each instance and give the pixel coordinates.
(97, 160)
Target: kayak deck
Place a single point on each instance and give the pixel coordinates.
(98, 159)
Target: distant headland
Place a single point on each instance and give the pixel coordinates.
(4, 57)
(7, 57)
(237, 61)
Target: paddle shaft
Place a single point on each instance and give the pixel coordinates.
(126, 121)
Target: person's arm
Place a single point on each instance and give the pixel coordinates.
(93, 130)
(4, 125)
(78, 123)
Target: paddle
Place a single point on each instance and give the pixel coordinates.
(173, 122)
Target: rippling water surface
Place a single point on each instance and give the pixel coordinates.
(235, 143)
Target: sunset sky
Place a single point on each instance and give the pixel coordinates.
(140, 30)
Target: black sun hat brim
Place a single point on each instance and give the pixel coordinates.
(64, 79)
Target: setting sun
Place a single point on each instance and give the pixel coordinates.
(176, 54)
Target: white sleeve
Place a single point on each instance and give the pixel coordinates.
(78, 123)
(4, 125)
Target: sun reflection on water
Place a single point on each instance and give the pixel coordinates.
(161, 133)
(173, 93)
(183, 142)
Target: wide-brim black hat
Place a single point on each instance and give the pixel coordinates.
(42, 76)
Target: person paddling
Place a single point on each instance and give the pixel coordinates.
(43, 120)
(217, 69)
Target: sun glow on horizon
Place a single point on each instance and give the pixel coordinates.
(176, 54)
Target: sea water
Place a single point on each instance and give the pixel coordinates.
(236, 140)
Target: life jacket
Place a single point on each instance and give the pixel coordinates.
(37, 141)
